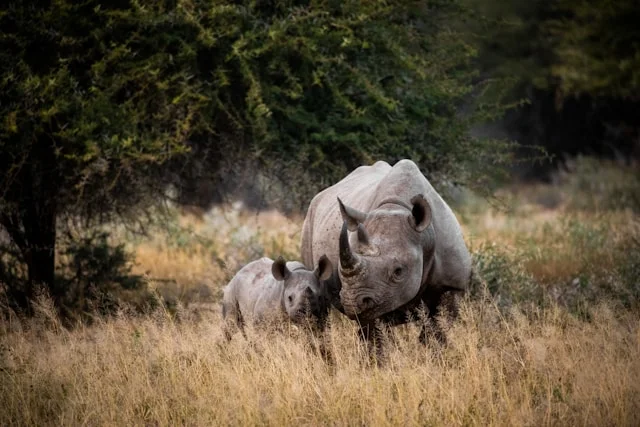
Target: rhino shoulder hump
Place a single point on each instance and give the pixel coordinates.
(295, 265)
(406, 163)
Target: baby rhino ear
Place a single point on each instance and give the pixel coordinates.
(279, 269)
(324, 270)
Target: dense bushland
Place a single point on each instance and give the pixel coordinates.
(575, 64)
(109, 109)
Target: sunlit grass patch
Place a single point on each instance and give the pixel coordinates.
(548, 335)
(499, 368)
(188, 256)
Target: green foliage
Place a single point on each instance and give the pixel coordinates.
(602, 186)
(320, 88)
(95, 277)
(504, 276)
(105, 105)
(596, 45)
(512, 46)
(93, 98)
(104, 91)
(591, 185)
(582, 250)
(575, 264)
(589, 47)
(572, 69)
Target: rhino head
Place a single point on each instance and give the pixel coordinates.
(381, 265)
(305, 295)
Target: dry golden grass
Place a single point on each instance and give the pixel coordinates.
(543, 369)
(503, 366)
(207, 250)
(559, 244)
(555, 245)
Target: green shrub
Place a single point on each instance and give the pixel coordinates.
(503, 276)
(95, 277)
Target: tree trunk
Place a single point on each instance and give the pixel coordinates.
(34, 233)
(40, 232)
(39, 221)
(32, 226)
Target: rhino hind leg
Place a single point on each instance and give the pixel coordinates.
(233, 320)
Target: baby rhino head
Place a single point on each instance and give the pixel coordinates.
(305, 296)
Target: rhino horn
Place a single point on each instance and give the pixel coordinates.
(363, 236)
(348, 259)
(352, 216)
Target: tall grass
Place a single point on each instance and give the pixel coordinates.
(549, 335)
(498, 369)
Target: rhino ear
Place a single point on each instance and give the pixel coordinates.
(351, 215)
(279, 269)
(324, 270)
(420, 213)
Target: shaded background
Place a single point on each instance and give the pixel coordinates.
(113, 113)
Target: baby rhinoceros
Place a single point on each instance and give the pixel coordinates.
(267, 291)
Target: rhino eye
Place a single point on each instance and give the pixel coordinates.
(398, 272)
(290, 298)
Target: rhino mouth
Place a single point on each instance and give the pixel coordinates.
(360, 308)
(308, 312)
(363, 316)
(301, 318)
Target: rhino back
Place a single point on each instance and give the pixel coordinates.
(452, 261)
(367, 188)
(257, 292)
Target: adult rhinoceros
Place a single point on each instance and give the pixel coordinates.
(405, 251)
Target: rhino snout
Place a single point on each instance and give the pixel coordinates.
(306, 306)
(356, 305)
(301, 314)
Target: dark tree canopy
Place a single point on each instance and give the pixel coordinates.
(107, 103)
(576, 62)
(311, 90)
(597, 48)
(92, 96)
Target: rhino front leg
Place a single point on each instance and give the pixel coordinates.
(374, 337)
(326, 344)
(319, 338)
(441, 310)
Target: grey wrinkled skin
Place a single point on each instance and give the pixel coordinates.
(268, 292)
(402, 247)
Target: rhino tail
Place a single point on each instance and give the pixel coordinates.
(240, 320)
(224, 310)
(232, 317)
